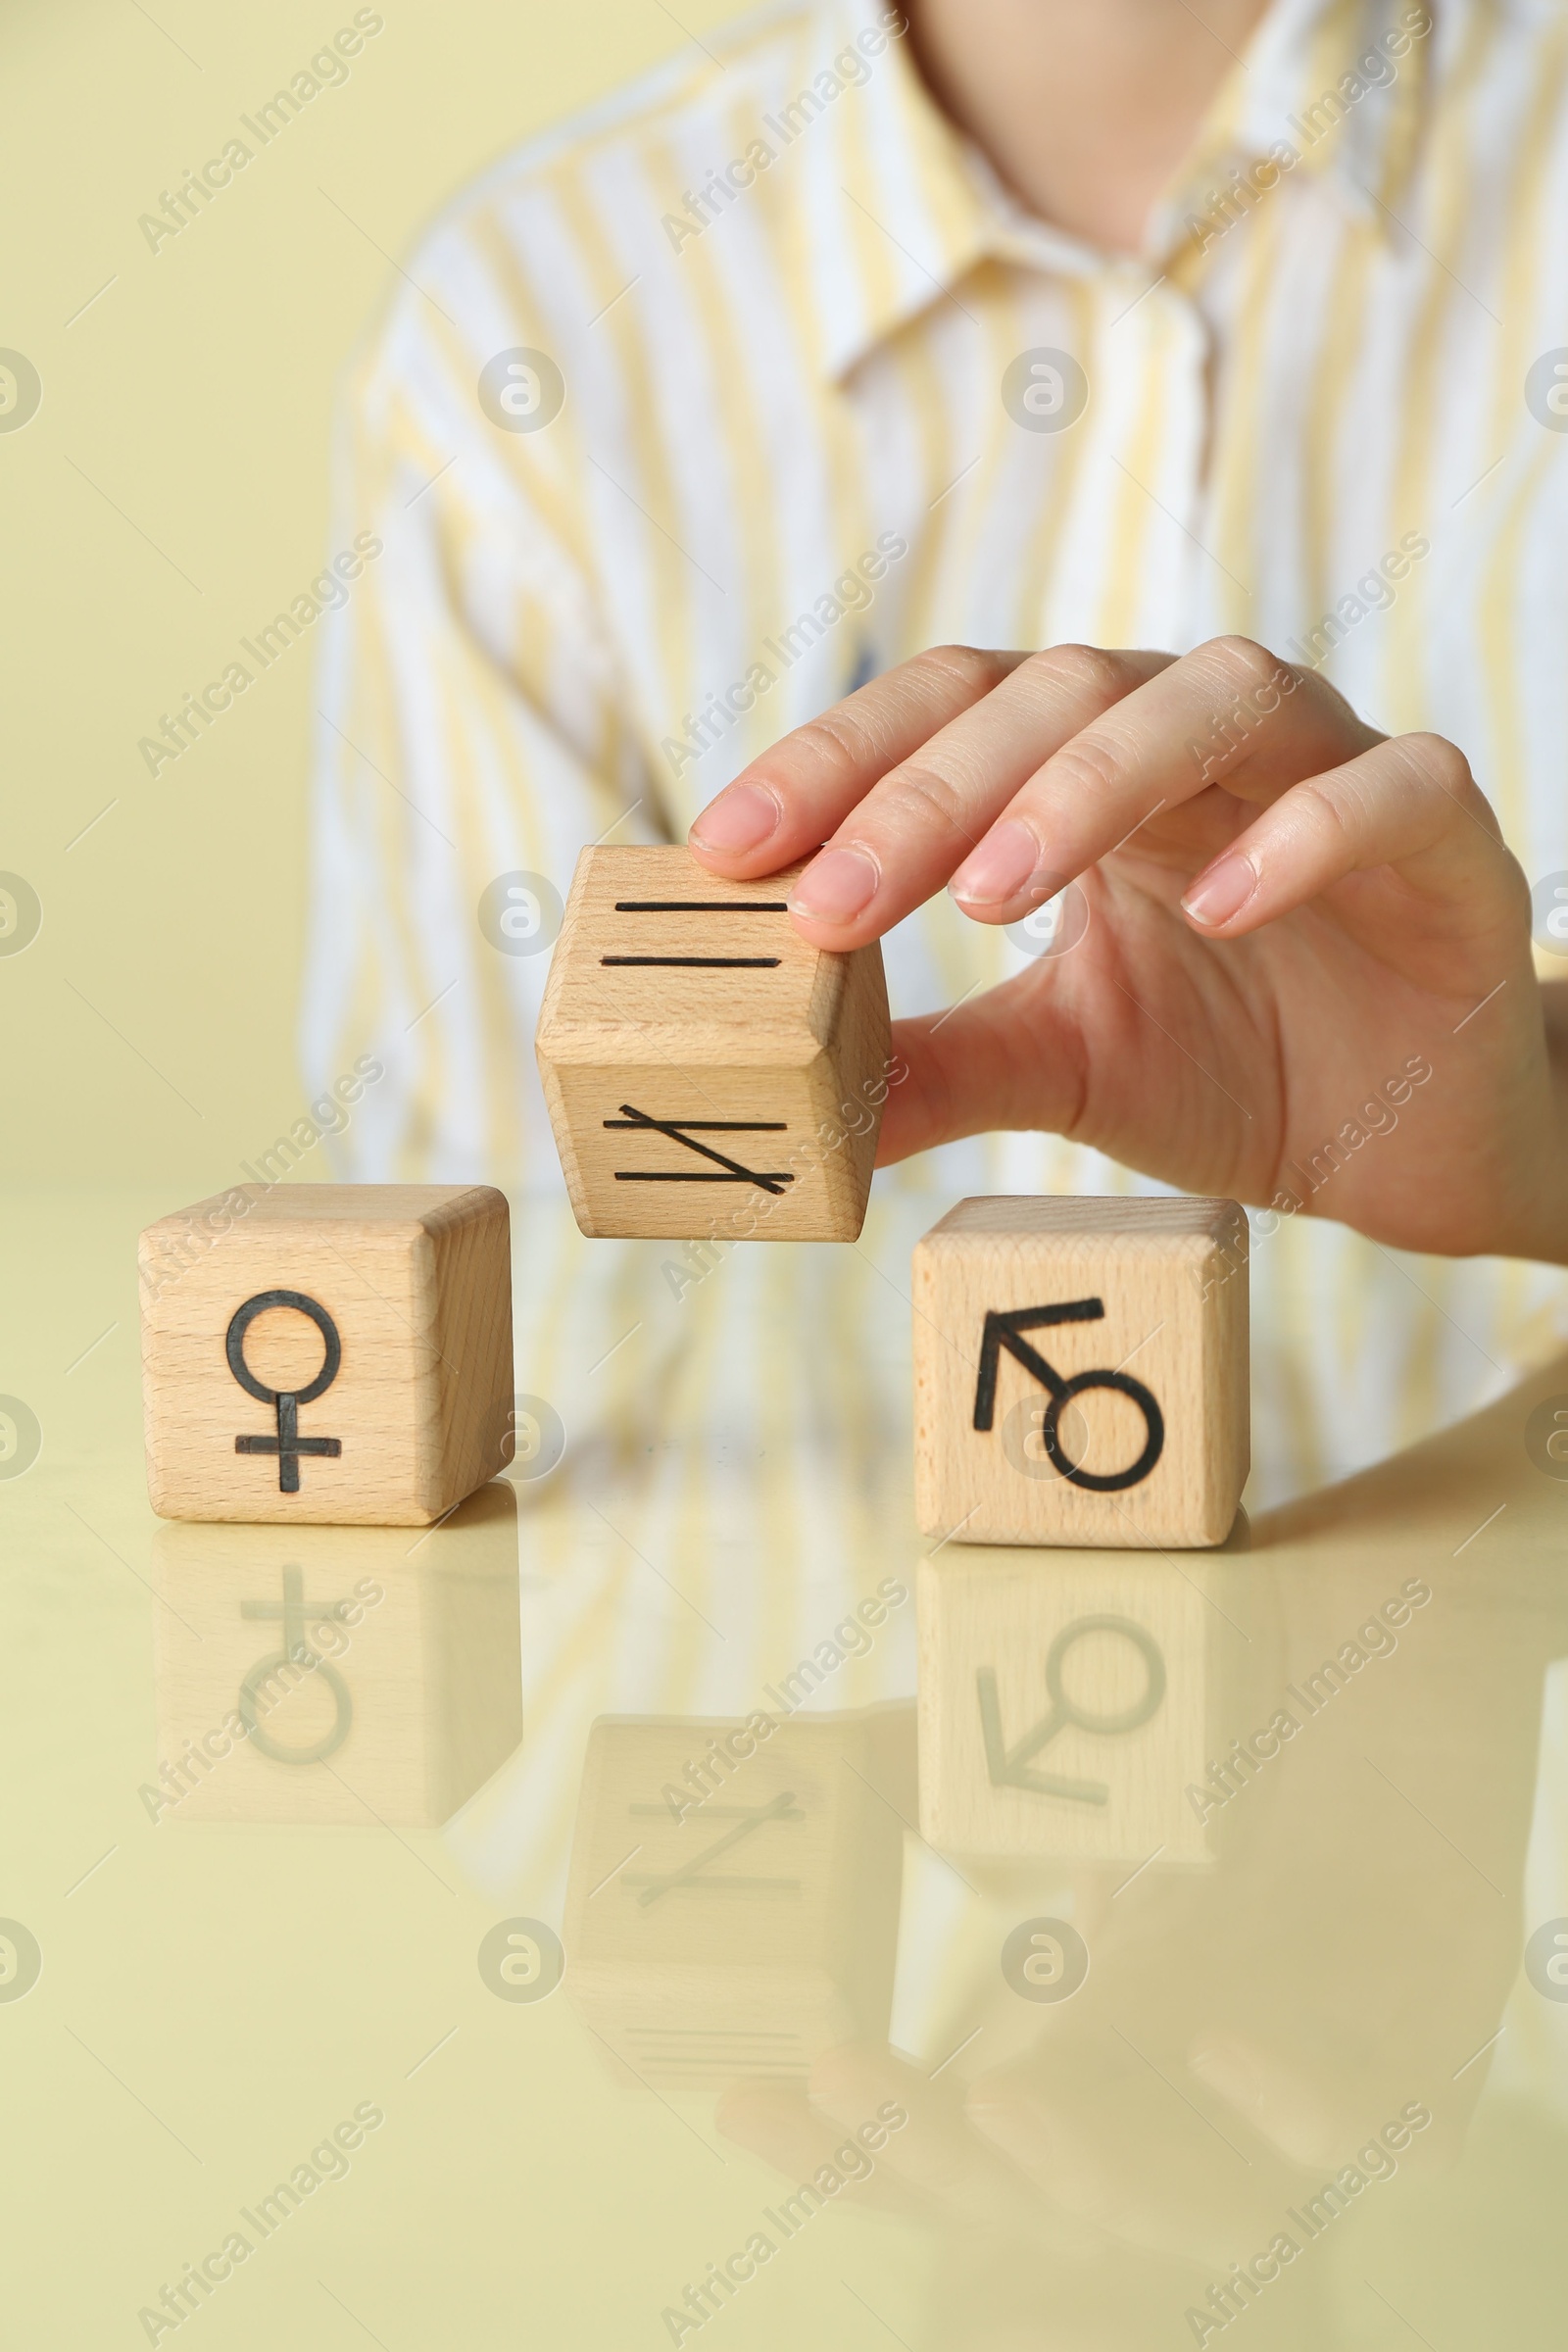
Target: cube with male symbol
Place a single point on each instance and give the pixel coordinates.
(1081, 1371)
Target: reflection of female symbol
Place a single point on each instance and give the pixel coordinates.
(288, 1444)
(281, 1672)
(1009, 1768)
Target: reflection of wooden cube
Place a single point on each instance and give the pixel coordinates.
(329, 1352)
(1065, 1706)
(700, 1057)
(760, 1926)
(348, 1676)
(1081, 1371)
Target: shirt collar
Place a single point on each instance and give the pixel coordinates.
(1340, 87)
(927, 207)
(902, 213)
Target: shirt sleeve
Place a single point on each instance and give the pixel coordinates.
(471, 734)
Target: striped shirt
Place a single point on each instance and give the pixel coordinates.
(690, 416)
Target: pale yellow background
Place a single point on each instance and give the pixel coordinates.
(170, 495)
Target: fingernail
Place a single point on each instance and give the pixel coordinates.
(1223, 891)
(741, 818)
(1000, 867)
(836, 887)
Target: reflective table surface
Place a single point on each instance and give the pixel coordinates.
(674, 1899)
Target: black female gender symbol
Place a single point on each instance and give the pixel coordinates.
(288, 1444)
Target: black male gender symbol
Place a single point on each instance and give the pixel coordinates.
(1001, 1330)
(288, 1444)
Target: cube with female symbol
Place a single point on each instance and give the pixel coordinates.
(327, 1354)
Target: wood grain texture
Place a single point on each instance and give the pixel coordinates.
(1170, 1279)
(334, 1675)
(417, 1279)
(686, 999)
(760, 1928)
(1004, 1638)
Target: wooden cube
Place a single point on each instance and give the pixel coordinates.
(1081, 1371)
(1065, 1714)
(706, 1070)
(351, 1676)
(335, 1353)
(733, 1902)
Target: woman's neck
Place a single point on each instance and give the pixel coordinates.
(1085, 108)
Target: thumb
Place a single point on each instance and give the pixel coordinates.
(1012, 1058)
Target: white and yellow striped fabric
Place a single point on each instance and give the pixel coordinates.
(782, 296)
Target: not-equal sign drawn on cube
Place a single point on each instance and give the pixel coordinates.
(685, 1131)
(702, 1069)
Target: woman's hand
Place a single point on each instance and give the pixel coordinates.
(1306, 966)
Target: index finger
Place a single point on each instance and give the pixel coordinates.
(793, 799)
(905, 777)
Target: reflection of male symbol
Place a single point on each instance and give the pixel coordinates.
(298, 1653)
(1009, 1768)
(288, 1444)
